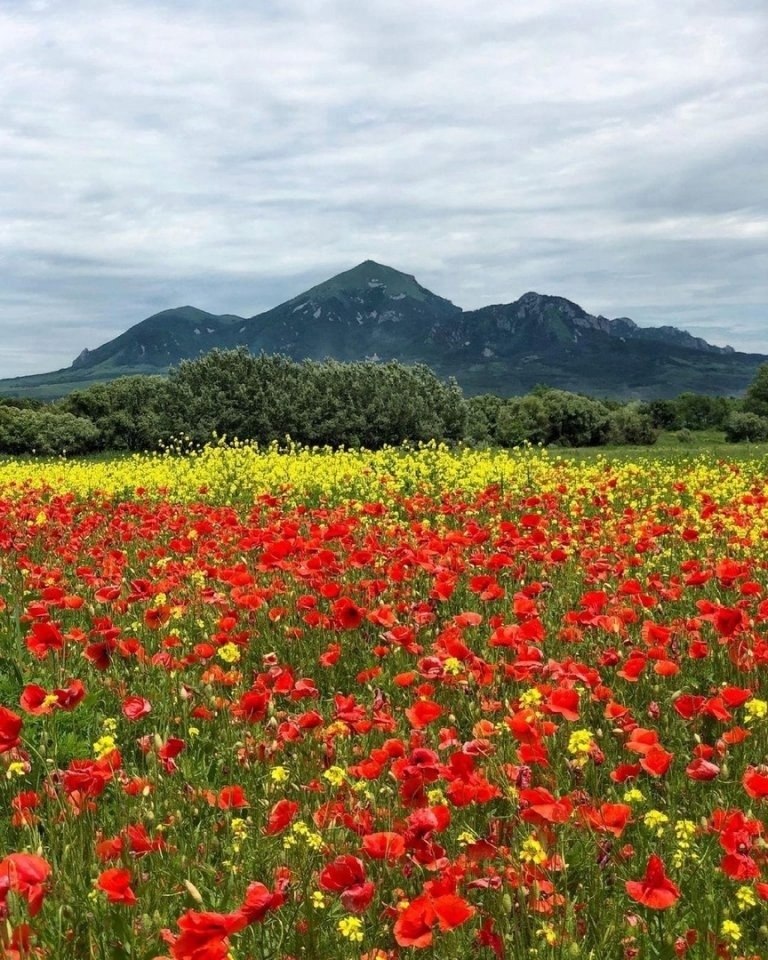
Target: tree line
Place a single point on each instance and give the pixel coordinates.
(364, 404)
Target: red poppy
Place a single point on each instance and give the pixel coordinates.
(347, 614)
(701, 769)
(422, 713)
(280, 816)
(346, 875)
(27, 875)
(204, 935)
(231, 798)
(657, 761)
(259, 900)
(413, 927)
(35, 701)
(384, 846)
(43, 638)
(116, 883)
(10, 728)
(564, 702)
(609, 817)
(755, 783)
(451, 911)
(134, 708)
(655, 890)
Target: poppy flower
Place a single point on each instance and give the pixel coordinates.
(43, 638)
(280, 816)
(36, 701)
(702, 770)
(346, 876)
(384, 846)
(422, 713)
(231, 798)
(655, 890)
(451, 911)
(657, 761)
(205, 935)
(116, 883)
(134, 708)
(10, 728)
(259, 900)
(25, 874)
(413, 927)
(755, 783)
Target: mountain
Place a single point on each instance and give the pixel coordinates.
(161, 340)
(369, 311)
(373, 311)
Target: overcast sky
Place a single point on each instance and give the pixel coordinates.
(230, 153)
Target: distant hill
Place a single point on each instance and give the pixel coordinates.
(378, 313)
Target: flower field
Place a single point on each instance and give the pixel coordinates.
(274, 706)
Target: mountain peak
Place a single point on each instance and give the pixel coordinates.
(370, 276)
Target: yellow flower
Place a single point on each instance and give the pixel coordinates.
(755, 710)
(656, 820)
(548, 934)
(239, 828)
(318, 900)
(452, 666)
(532, 851)
(104, 746)
(229, 653)
(335, 776)
(351, 928)
(279, 774)
(15, 769)
(531, 698)
(730, 930)
(633, 795)
(746, 898)
(685, 830)
(580, 742)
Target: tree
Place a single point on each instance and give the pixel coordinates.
(756, 397)
(746, 426)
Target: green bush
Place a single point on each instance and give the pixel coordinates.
(746, 426)
(46, 432)
(630, 425)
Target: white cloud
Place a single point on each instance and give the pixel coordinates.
(155, 153)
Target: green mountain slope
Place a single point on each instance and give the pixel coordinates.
(373, 311)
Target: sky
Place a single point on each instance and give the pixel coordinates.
(231, 153)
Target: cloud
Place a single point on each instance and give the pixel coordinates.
(229, 155)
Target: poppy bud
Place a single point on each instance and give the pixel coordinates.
(193, 892)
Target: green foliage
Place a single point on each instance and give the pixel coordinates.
(746, 426)
(699, 412)
(47, 432)
(22, 403)
(662, 413)
(128, 413)
(630, 424)
(267, 398)
(756, 397)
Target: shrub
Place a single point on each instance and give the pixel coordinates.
(746, 426)
(48, 432)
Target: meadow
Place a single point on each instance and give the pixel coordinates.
(306, 705)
